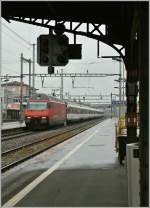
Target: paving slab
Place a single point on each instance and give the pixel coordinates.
(91, 176)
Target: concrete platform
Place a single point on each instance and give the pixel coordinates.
(12, 125)
(83, 171)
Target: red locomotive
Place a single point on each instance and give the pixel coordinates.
(44, 111)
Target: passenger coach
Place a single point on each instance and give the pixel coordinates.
(81, 112)
(44, 111)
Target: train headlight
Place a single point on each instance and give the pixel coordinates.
(43, 117)
(28, 117)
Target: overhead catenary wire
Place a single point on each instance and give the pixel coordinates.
(8, 51)
(14, 63)
(72, 75)
(10, 60)
(16, 40)
(8, 69)
(19, 36)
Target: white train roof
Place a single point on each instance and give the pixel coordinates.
(76, 105)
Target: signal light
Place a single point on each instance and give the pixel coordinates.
(52, 50)
(43, 50)
(60, 50)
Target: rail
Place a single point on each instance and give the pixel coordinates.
(18, 155)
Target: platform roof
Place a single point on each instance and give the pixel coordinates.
(71, 11)
(117, 15)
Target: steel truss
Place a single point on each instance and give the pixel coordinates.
(63, 75)
(91, 30)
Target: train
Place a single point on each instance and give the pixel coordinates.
(44, 111)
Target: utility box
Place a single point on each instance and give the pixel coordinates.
(133, 172)
(75, 51)
(51, 70)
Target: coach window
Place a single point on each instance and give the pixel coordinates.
(69, 110)
(49, 105)
(78, 110)
(74, 110)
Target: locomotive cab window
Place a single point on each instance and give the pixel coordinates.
(37, 106)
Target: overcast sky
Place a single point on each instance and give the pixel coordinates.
(13, 46)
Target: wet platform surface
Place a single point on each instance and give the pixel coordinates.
(12, 125)
(90, 176)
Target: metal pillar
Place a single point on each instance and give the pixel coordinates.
(123, 80)
(120, 88)
(6, 98)
(61, 94)
(123, 87)
(33, 77)
(21, 88)
(131, 94)
(2, 102)
(111, 103)
(144, 106)
(30, 78)
(21, 83)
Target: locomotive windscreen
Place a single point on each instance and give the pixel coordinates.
(37, 106)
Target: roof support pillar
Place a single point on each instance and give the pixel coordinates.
(131, 93)
(144, 106)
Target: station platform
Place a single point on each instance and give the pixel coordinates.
(12, 125)
(83, 171)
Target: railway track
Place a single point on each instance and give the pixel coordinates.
(18, 134)
(14, 156)
(15, 131)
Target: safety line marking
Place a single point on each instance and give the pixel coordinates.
(15, 199)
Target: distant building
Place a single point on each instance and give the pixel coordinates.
(11, 98)
(15, 88)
